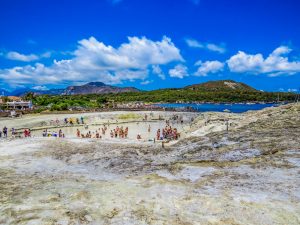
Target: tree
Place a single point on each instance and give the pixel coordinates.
(29, 96)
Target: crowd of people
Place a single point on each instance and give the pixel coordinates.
(72, 121)
(67, 121)
(118, 132)
(4, 132)
(167, 132)
(59, 134)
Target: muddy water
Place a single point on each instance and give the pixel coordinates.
(134, 129)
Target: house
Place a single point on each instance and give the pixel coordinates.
(16, 103)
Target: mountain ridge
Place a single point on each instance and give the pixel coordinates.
(88, 88)
(102, 88)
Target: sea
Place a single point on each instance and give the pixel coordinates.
(212, 107)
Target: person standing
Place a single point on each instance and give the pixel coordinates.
(158, 134)
(13, 132)
(5, 132)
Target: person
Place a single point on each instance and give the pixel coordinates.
(5, 132)
(60, 133)
(78, 133)
(81, 118)
(149, 128)
(54, 134)
(0, 134)
(139, 137)
(25, 133)
(44, 133)
(158, 134)
(13, 132)
(111, 134)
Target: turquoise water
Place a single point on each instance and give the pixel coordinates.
(210, 107)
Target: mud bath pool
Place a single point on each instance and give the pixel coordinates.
(249, 175)
(134, 129)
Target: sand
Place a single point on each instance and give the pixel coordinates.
(248, 175)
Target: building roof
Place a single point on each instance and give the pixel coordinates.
(14, 98)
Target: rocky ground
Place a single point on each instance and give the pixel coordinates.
(248, 175)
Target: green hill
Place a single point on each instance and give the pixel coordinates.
(221, 85)
(212, 91)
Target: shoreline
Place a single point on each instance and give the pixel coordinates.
(155, 108)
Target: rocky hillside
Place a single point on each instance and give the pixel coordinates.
(89, 88)
(97, 88)
(221, 85)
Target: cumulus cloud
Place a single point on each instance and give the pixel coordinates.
(13, 55)
(277, 63)
(21, 57)
(93, 60)
(179, 71)
(158, 71)
(208, 67)
(208, 46)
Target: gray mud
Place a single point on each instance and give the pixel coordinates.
(248, 175)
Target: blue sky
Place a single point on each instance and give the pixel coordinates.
(149, 44)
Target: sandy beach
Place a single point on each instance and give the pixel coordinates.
(246, 175)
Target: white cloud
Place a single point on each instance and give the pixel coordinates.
(215, 48)
(292, 90)
(139, 53)
(146, 82)
(93, 60)
(208, 46)
(277, 63)
(194, 43)
(40, 88)
(208, 67)
(158, 71)
(179, 71)
(46, 54)
(21, 57)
